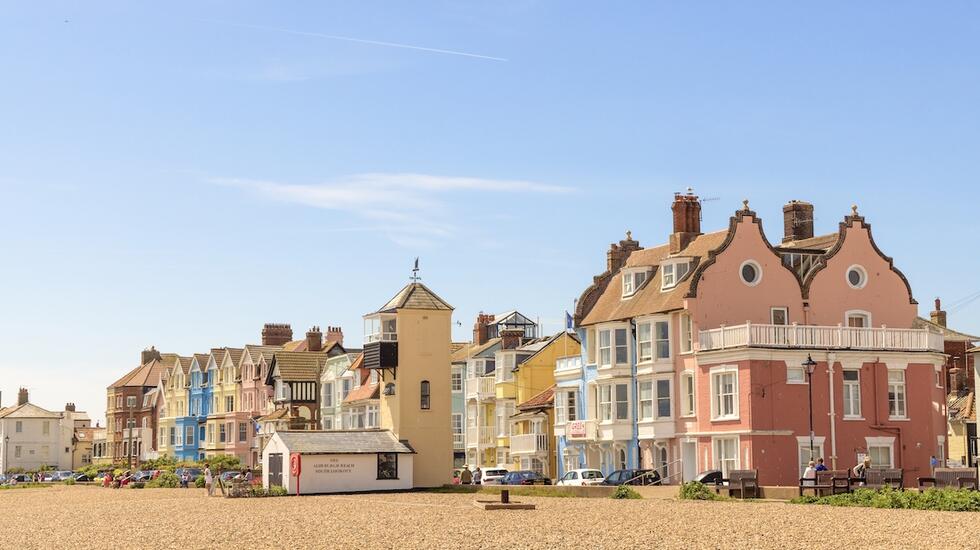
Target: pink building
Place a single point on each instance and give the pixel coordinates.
(256, 395)
(694, 352)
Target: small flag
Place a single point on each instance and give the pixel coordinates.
(569, 322)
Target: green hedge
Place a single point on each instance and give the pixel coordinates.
(166, 480)
(626, 492)
(695, 490)
(949, 500)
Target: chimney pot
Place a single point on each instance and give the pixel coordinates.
(797, 221)
(335, 334)
(511, 338)
(276, 334)
(314, 339)
(687, 220)
(149, 355)
(938, 316)
(481, 328)
(22, 396)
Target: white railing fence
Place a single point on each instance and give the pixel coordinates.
(809, 336)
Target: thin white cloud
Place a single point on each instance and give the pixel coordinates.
(408, 208)
(358, 40)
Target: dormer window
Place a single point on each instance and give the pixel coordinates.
(633, 280)
(672, 271)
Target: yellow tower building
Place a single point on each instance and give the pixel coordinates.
(408, 340)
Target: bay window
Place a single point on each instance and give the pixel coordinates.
(663, 398)
(646, 400)
(686, 333)
(605, 348)
(644, 342)
(622, 350)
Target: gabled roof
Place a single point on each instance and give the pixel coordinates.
(649, 298)
(462, 353)
(948, 333)
(277, 414)
(546, 343)
(236, 356)
(256, 351)
(343, 442)
(297, 366)
(147, 374)
(543, 400)
(477, 351)
(185, 364)
(202, 361)
(414, 296)
(961, 407)
(27, 410)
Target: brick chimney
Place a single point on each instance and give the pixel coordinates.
(687, 220)
(22, 396)
(148, 355)
(314, 339)
(618, 253)
(335, 334)
(481, 329)
(276, 334)
(510, 338)
(937, 315)
(797, 221)
(69, 407)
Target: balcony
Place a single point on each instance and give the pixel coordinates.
(458, 443)
(381, 355)
(481, 437)
(482, 388)
(569, 366)
(529, 444)
(819, 337)
(578, 430)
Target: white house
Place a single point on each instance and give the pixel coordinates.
(314, 462)
(31, 437)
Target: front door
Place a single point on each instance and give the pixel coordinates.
(689, 457)
(971, 447)
(275, 469)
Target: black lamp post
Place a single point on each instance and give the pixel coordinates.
(809, 365)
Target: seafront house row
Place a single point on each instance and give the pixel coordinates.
(697, 354)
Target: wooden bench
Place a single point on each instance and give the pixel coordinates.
(743, 481)
(827, 482)
(951, 478)
(879, 478)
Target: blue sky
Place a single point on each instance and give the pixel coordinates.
(178, 174)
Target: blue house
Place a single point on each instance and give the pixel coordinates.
(199, 399)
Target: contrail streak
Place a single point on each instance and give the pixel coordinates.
(358, 40)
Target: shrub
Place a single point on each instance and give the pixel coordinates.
(277, 491)
(950, 500)
(199, 482)
(221, 463)
(69, 481)
(626, 492)
(257, 491)
(695, 490)
(166, 480)
(163, 463)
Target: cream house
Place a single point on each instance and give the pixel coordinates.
(31, 437)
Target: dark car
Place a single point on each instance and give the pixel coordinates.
(709, 477)
(524, 477)
(82, 477)
(22, 478)
(192, 473)
(632, 477)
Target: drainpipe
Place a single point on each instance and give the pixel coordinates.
(635, 386)
(831, 357)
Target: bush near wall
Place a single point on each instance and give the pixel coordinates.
(166, 480)
(949, 500)
(695, 490)
(626, 492)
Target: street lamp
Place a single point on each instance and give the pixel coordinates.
(6, 443)
(809, 365)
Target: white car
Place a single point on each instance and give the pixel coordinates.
(492, 476)
(579, 478)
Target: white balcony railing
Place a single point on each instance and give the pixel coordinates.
(481, 436)
(481, 387)
(458, 441)
(820, 337)
(528, 443)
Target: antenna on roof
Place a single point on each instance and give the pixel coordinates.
(415, 271)
(704, 200)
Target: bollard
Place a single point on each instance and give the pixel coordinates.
(505, 496)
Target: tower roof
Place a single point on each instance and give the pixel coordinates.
(415, 295)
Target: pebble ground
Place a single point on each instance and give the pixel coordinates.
(90, 517)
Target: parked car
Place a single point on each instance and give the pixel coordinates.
(578, 478)
(525, 477)
(82, 477)
(493, 476)
(709, 477)
(22, 478)
(632, 477)
(62, 475)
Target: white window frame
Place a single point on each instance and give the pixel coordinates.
(611, 347)
(687, 332)
(644, 342)
(657, 341)
(716, 445)
(772, 315)
(795, 367)
(881, 442)
(864, 276)
(646, 400)
(690, 401)
(939, 375)
(456, 379)
(900, 411)
(715, 373)
(848, 387)
(657, 398)
(633, 279)
(669, 276)
(328, 394)
(857, 313)
(758, 272)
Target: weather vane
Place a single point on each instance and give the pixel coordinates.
(415, 271)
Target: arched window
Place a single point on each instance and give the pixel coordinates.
(425, 402)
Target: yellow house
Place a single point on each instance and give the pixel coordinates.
(532, 438)
(408, 342)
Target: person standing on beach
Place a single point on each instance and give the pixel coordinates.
(208, 479)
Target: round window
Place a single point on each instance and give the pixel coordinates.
(856, 276)
(751, 273)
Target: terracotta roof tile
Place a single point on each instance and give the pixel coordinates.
(366, 391)
(961, 407)
(299, 366)
(542, 400)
